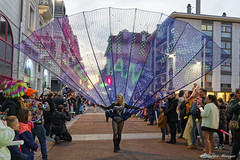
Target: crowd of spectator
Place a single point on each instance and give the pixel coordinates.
(196, 116)
(25, 115)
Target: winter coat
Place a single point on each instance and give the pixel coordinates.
(25, 134)
(13, 106)
(210, 116)
(48, 114)
(235, 110)
(58, 123)
(162, 121)
(228, 113)
(16, 154)
(223, 118)
(171, 112)
(6, 136)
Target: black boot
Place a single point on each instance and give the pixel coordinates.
(118, 140)
(115, 142)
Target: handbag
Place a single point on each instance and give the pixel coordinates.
(233, 124)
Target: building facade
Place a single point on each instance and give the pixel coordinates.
(225, 32)
(19, 18)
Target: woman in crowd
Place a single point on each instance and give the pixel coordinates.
(210, 122)
(235, 110)
(118, 119)
(222, 123)
(180, 100)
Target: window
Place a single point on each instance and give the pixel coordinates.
(207, 29)
(39, 68)
(31, 19)
(226, 30)
(226, 86)
(226, 66)
(226, 46)
(6, 49)
(208, 78)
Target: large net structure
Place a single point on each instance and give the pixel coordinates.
(105, 52)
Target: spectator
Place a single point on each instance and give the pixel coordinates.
(180, 100)
(59, 100)
(16, 154)
(37, 109)
(162, 122)
(6, 136)
(2, 98)
(48, 114)
(150, 110)
(59, 127)
(235, 111)
(210, 122)
(172, 116)
(188, 117)
(229, 117)
(25, 125)
(222, 123)
(14, 90)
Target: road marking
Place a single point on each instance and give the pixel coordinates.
(94, 137)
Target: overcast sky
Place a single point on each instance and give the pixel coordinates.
(211, 7)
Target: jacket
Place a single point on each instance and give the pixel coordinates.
(235, 110)
(37, 109)
(223, 118)
(6, 136)
(171, 112)
(119, 112)
(58, 123)
(210, 116)
(16, 154)
(25, 134)
(13, 106)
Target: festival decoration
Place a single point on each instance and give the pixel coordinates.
(143, 55)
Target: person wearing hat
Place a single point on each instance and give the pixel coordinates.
(13, 91)
(37, 109)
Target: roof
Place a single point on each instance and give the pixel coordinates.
(204, 17)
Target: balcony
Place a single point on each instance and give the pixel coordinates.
(46, 9)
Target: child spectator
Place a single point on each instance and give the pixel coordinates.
(16, 154)
(58, 125)
(25, 134)
(6, 136)
(162, 122)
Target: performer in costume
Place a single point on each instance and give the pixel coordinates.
(119, 115)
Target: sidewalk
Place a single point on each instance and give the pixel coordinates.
(51, 141)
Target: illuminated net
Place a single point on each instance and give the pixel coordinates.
(142, 55)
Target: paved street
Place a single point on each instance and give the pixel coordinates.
(92, 140)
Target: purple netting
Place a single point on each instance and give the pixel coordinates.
(143, 55)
